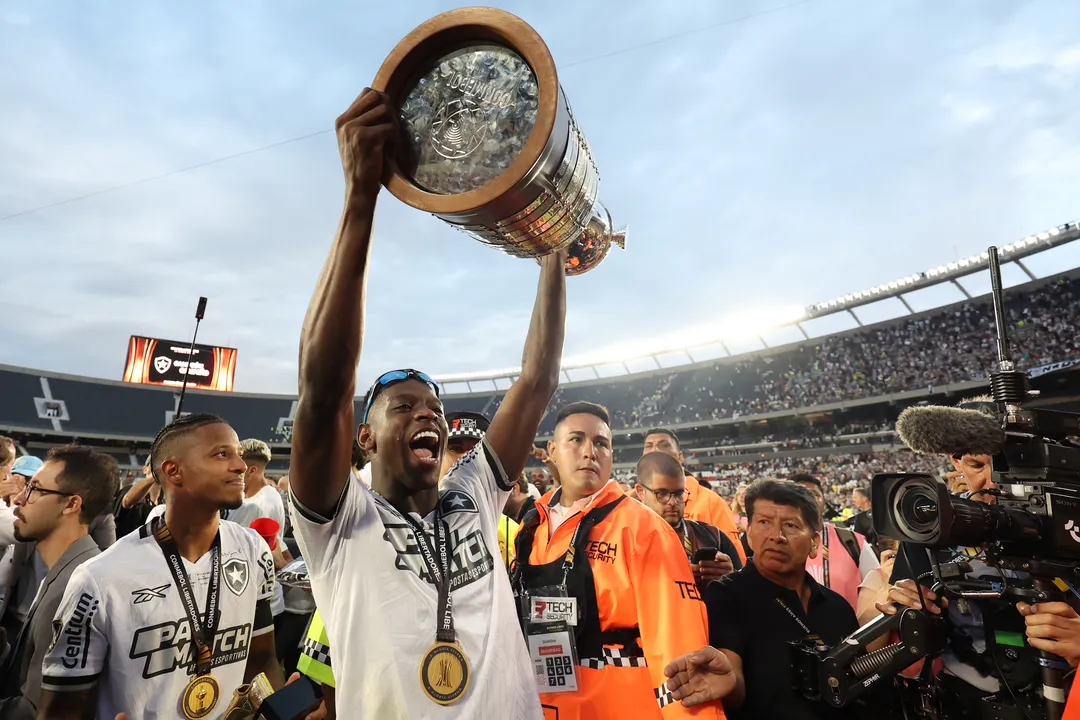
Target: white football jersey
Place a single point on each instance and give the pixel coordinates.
(378, 601)
(122, 625)
(266, 503)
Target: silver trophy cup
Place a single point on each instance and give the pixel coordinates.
(491, 145)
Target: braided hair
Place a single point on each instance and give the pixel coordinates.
(175, 430)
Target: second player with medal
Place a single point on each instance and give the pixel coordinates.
(444, 670)
(201, 694)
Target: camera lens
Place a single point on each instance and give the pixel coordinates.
(924, 510)
(916, 511)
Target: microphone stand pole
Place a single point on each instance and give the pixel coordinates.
(200, 311)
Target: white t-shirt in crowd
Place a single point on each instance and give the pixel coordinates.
(123, 627)
(264, 504)
(378, 601)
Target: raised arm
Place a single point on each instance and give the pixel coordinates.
(137, 492)
(333, 327)
(515, 423)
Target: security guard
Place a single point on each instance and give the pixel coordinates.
(606, 592)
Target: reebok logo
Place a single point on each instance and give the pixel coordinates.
(147, 594)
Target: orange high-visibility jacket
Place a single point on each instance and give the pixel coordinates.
(1072, 710)
(644, 593)
(708, 507)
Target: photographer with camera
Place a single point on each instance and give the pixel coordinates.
(991, 652)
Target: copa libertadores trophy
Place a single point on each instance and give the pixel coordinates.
(491, 146)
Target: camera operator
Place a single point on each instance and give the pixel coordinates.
(983, 646)
(971, 474)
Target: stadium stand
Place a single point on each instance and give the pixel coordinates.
(826, 403)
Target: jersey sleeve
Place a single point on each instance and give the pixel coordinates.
(80, 643)
(480, 473)
(321, 538)
(264, 612)
(671, 616)
(315, 653)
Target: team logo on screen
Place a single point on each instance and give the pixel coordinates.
(162, 364)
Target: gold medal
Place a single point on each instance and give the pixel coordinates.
(445, 673)
(200, 697)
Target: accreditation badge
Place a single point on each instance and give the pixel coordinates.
(550, 614)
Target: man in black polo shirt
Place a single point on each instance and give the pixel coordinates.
(755, 612)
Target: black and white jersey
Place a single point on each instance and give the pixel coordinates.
(378, 599)
(122, 625)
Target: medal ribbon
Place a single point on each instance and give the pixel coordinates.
(438, 567)
(202, 633)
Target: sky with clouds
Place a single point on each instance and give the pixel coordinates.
(765, 154)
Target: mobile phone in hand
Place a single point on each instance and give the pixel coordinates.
(705, 554)
(294, 700)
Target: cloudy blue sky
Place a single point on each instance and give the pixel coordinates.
(815, 148)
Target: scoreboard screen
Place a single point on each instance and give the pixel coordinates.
(152, 361)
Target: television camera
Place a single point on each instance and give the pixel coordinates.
(1028, 529)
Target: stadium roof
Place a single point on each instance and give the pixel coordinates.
(615, 361)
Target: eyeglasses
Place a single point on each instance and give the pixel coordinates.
(396, 376)
(662, 496)
(32, 487)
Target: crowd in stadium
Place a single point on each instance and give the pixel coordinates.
(420, 562)
(934, 349)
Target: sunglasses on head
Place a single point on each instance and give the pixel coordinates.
(392, 377)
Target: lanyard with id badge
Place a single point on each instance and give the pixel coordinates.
(550, 616)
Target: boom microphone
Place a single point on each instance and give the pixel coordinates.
(939, 430)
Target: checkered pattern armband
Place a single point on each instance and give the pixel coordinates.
(316, 651)
(663, 696)
(615, 658)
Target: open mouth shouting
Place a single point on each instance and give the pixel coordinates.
(426, 446)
